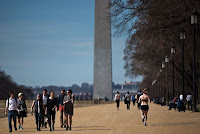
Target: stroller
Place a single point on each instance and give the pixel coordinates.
(181, 106)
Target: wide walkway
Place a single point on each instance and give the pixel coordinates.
(106, 119)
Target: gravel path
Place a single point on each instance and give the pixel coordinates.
(106, 119)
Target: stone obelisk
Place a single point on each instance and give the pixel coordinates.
(102, 51)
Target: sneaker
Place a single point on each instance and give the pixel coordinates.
(52, 128)
(19, 126)
(10, 131)
(145, 124)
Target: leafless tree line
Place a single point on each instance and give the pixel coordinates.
(152, 28)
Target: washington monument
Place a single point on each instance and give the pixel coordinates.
(102, 51)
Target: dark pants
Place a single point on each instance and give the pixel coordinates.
(189, 105)
(12, 114)
(133, 103)
(38, 118)
(172, 105)
(42, 118)
(117, 101)
(61, 117)
(51, 115)
(128, 104)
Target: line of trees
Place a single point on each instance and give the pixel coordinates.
(152, 28)
(57, 89)
(7, 84)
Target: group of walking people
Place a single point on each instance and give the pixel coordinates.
(44, 108)
(15, 107)
(142, 100)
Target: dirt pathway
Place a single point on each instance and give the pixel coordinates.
(106, 119)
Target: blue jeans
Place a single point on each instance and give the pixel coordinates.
(38, 117)
(12, 114)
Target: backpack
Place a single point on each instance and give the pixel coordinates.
(8, 102)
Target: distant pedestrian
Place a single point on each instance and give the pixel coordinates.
(61, 106)
(144, 99)
(181, 97)
(22, 111)
(138, 96)
(173, 103)
(11, 110)
(189, 100)
(117, 99)
(128, 100)
(51, 110)
(39, 109)
(133, 100)
(163, 102)
(69, 108)
(45, 96)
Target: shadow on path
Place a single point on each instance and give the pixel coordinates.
(174, 123)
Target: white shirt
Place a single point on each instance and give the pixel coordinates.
(116, 97)
(38, 106)
(128, 96)
(189, 97)
(181, 97)
(45, 99)
(12, 104)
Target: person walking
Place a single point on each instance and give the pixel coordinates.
(69, 108)
(11, 110)
(163, 102)
(189, 100)
(117, 99)
(144, 108)
(138, 96)
(45, 96)
(22, 110)
(60, 105)
(133, 100)
(39, 109)
(51, 112)
(181, 97)
(128, 100)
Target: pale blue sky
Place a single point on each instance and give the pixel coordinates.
(49, 42)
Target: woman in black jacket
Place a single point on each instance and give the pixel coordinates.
(51, 112)
(69, 108)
